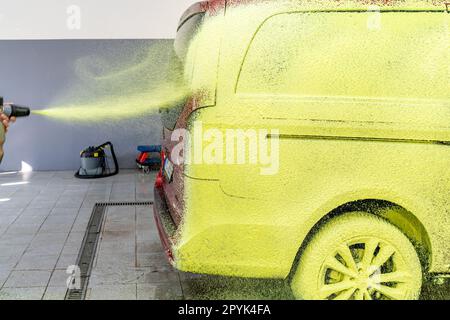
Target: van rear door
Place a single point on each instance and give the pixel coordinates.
(196, 48)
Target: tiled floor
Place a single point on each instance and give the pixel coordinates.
(130, 262)
(43, 218)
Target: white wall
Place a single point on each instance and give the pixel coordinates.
(90, 19)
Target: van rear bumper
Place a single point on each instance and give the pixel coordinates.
(164, 223)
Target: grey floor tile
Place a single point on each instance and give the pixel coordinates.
(11, 212)
(37, 262)
(3, 277)
(46, 198)
(15, 203)
(123, 186)
(146, 238)
(75, 238)
(12, 239)
(147, 292)
(112, 275)
(36, 211)
(8, 262)
(6, 194)
(60, 219)
(80, 226)
(144, 197)
(9, 250)
(23, 228)
(62, 206)
(41, 204)
(27, 279)
(119, 212)
(7, 220)
(74, 193)
(113, 246)
(150, 276)
(35, 293)
(93, 198)
(90, 204)
(145, 246)
(29, 220)
(58, 278)
(54, 248)
(66, 260)
(55, 227)
(115, 259)
(113, 292)
(71, 249)
(122, 198)
(83, 215)
(165, 291)
(49, 237)
(156, 259)
(118, 236)
(52, 193)
(55, 293)
(120, 226)
(71, 197)
(146, 226)
(58, 212)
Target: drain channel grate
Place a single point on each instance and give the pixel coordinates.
(89, 246)
(124, 204)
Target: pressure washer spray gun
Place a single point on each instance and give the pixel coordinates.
(14, 110)
(11, 110)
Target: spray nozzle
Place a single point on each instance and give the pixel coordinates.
(14, 110)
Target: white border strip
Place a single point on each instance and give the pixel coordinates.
(90, 19)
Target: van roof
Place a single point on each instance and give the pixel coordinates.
(216, 5)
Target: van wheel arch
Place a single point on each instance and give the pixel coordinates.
(403, 219)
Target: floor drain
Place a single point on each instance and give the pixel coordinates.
(89, 246)
(124, 204)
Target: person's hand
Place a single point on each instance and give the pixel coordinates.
(6, 121)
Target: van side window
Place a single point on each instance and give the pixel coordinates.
(401, 55)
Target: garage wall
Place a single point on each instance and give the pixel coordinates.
(41, 45)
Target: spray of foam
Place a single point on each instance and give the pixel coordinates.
(124, 85)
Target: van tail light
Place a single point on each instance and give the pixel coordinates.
(159, 178)
(159, 181)
(163, 158)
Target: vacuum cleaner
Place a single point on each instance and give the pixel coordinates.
(95, 164)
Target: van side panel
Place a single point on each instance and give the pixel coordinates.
(346, 134)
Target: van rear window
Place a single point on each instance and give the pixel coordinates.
(358, 54)
(185, 35)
